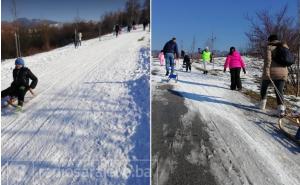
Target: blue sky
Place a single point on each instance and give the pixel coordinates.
(225, 18)
(60, 10)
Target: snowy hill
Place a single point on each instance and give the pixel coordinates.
(89, 120)
(220, 135)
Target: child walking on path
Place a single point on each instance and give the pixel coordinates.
(235, 62)
(161, 57)
(187, 62)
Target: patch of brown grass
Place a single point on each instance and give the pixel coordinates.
(255, 98)
(290, 89)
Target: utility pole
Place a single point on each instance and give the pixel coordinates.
(17, 39)
(193, 48)
(213, 38)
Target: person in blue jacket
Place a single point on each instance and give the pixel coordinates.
(170, 50)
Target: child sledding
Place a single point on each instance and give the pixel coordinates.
(20, 85)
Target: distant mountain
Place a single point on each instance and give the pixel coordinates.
(33, 22)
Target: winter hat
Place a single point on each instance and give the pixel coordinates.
(19, 61)
(272, 38)
(232, 49)
(207, 48)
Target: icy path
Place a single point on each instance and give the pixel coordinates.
(81, 127)
(248, 147)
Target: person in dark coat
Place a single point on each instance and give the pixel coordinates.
(145, 24)
(20, 84)
(170, 50)
(75, 39)
(129, 27)
(117, 30)
(273, 71)
(187, 62)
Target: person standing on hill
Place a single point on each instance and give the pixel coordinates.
(129, 27)
(20, 84)
(145, 24)
(170, 50)
(273, 71)
(79, 38)
(235, 63)
(117, 30)
(75, 39)
(206, 58)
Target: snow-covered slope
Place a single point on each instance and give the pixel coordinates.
(248, 147)
(89, 120)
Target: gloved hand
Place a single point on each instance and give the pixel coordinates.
(244, 70)
(224, 70)
(22, 88)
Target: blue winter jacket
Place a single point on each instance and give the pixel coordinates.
(171, 47)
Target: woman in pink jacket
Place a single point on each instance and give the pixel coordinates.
(235, 62)
(161, 57)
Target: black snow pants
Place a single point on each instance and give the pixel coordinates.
(188, 66)
(235, 79)
(15, 92)
(279, 85)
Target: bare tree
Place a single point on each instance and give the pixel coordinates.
(146, 10)
(181, 44)
(207, 43)
(45, 33)
(133, 10)
(267, 24)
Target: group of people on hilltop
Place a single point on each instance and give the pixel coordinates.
(130, 26)
(273, 72)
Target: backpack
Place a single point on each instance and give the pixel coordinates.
(283, 56)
